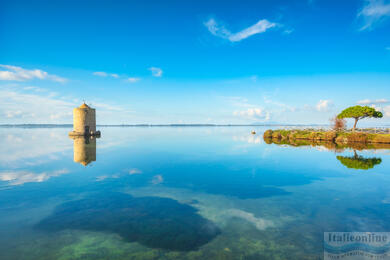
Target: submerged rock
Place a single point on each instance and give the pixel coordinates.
(152, 221)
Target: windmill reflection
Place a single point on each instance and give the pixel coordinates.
(84, 149)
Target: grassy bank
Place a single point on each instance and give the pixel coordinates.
(328, 136)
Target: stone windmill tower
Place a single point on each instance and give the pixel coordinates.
(84, 121)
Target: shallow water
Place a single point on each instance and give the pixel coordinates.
(182, 193)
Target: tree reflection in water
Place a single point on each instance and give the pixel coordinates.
(352, 162)
(359, 162)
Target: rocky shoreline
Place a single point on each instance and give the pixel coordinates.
(339, 137)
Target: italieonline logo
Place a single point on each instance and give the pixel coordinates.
(356, 245)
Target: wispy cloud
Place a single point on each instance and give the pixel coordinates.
(284, 106)
(19, 106)
(253, 113)
(156, 72)
(15, 73)
(13, 114)
(373, 102)
(386, 111)
(220, 31)
(378, 104)
(237, 101)
(373, 13)
(133, 80)
(105, 74)
(35, 89)
(27, 107)
(324, 105)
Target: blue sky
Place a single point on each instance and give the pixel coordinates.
(193, 61)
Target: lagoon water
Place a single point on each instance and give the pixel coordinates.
(182, 193)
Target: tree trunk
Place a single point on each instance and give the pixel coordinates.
(354, 126)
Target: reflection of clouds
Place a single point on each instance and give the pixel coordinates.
(101, 178)
(219, 209)
(21, 177)
(378, 151)
(157, 179)
(104, 177)
(42, 142)
(323, 149)
(251, 139)
(222, 215)
(260, 223)
(135, 171)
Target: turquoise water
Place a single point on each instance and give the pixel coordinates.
(182, 193)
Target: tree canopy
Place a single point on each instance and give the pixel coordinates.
(359, 112)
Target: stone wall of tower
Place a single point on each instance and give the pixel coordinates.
(83, 117)
(90, 119)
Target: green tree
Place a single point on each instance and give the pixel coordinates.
(359, 112)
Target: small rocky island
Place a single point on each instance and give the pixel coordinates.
(339, 134)
(328, 136)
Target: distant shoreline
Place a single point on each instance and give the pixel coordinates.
(168, 125)
(151, 125)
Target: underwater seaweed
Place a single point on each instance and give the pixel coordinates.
(152, 221)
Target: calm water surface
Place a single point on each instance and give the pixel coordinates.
(182, 193)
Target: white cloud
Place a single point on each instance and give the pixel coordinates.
(105, 74)
(13, 114)
(220, 31)
(253, 113)
(100, 74)
(21, 177)
(373, 13)
(324, 105)
(369, 101)
(133, 80)
(27, 106)
(107, 107)
(156, 72)
(30, 107)
(386, 111)
(284, 106)
(19, 74)
(237, 101)
(35, 89)
(288, 31)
